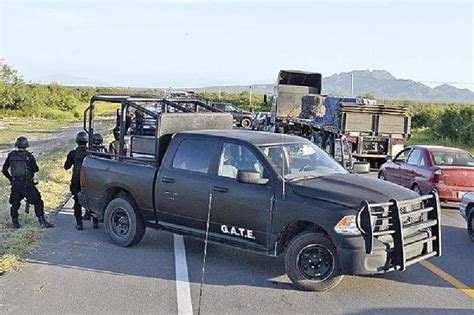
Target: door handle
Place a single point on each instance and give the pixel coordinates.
(220, 189)
(167, 180)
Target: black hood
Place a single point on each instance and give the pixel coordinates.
(350, 190)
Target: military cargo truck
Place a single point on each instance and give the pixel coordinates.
(373, 132)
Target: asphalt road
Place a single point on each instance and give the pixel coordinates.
(82, 272)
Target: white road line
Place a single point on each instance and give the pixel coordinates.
(182, 281)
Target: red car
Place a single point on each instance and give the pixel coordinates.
(449, 171)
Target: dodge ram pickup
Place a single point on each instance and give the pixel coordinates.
(273, 194)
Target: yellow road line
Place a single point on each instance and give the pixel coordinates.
(447, 277)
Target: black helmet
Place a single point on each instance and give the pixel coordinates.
(97, 139)
(82, 137)
(22, 143)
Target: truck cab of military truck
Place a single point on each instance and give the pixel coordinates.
(267, 193)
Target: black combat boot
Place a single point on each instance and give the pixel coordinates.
(43, 223)
(16, 223)
(95, 223)
(87, 216)
(79, 224)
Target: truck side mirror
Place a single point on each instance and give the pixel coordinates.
(251, 177)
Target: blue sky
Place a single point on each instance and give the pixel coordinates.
(196, 43)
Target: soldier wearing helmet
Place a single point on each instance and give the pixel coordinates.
(98, 143)
(20, 168)
(74, 160)
(114, 146)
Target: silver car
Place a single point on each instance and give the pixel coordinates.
(466, 207)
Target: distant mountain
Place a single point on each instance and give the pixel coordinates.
(380, 83)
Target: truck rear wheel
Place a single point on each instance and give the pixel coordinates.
(246, 123)
(123, 223)
(311, 262)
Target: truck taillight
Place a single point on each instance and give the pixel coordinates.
(352, 139)
(438, 176)
(82, 178)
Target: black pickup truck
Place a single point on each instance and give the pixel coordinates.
(269, 193)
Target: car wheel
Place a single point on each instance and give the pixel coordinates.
(123, 222)
(246, 123)
(470, 223)
(417, 189)
(311, 262)
(382, 176)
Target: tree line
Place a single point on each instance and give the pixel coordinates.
(451, 122)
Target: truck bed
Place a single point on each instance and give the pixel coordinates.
(104, 177)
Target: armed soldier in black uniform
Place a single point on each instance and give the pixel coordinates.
(114, 146)
(98, 143)
(20, 168)
(74, 159)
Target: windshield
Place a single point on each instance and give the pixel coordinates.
(301, 160)
(454, 158)
(231, 108)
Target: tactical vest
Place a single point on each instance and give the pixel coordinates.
(20, 166)
(79, 154)
(99, 149)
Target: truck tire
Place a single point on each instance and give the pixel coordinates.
(311, 262)
(470, 222)
(328, 146)
(123, 222)
(417, 189)
(316, 138)
(246, 123)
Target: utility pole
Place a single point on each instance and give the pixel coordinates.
(219, 93)
(352, 84)
(250, 96)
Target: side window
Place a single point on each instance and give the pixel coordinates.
(414, 157)
(194, 156)
(422, 161)
(236, 157)
(402, 156)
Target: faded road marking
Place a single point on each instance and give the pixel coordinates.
(182, 281)
(447, 277)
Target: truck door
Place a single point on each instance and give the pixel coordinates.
(182, 188)
(240, 213)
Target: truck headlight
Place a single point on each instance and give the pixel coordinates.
(347, 226)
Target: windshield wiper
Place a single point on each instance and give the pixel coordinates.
(302, 178)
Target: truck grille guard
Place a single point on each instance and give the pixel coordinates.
(402, 220)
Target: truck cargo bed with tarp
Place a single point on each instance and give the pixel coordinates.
(374, 131)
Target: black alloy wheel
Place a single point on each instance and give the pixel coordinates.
(316, 262)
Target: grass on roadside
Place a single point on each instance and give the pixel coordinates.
(423, 136)
(54, 187)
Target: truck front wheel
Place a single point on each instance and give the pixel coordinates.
(470, 223)
(123, 222)
(311, 262)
